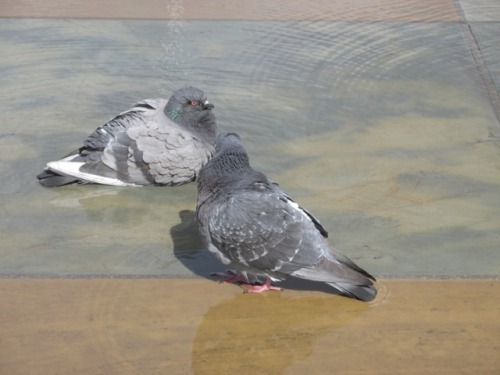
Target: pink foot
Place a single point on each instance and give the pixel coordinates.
(232, 277)
(256, 288)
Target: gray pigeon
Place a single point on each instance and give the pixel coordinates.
(156, 142)
(252, 225)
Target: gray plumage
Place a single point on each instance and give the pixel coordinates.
(156, 142)
(252, 225)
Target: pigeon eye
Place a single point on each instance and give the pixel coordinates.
(193, 102)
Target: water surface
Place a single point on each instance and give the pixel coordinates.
(380, 129)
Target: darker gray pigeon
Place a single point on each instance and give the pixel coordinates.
(252, 225)
(156, 142)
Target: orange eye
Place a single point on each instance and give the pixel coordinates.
(194, 102)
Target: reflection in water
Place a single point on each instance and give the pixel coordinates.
(75, 197)
(267, 333)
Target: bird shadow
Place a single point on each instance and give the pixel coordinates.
(190, 250)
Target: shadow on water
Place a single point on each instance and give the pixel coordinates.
(190, 250)
(267, 333)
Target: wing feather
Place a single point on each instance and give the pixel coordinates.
(106, 133)
(172, 154)
(263, 231)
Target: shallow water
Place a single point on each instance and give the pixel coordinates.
(381, 129)
(382, 119)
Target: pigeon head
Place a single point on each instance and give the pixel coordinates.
(190, 108)
(226, 141)
(228, 163)
(230, 150)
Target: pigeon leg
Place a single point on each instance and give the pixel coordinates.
(230, 277)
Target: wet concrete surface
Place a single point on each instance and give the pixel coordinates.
(381, 119)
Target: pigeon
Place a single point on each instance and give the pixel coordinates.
(157, 142)
(254, 227)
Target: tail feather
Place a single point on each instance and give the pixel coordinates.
(77, 171)
(340, 272)
(51, 179)
(362, 292)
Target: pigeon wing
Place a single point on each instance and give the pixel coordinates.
(119, 158)
(267, 232)
(106, 133)
(316, 222)
(104, 153)
(170, 154)
(263, 231)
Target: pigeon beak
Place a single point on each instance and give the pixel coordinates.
(207, 105)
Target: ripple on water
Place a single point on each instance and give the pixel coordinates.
(301, 78)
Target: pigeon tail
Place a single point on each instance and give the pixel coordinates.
(77, 171)
(343, 274)
(50, 179)
(364, 293)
